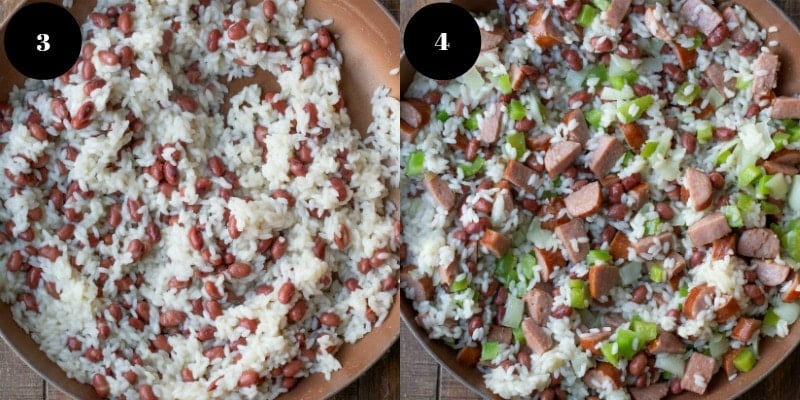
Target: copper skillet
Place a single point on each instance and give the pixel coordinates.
(773, 350)
(368, 40)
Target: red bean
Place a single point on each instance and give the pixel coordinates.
(474, 323)
(292, 368)
(579, 98)
(212, 43)
(239, 270)
(665, 211)
(617, 211)
(639, 295)
(286, 292)
(675, 73)
(689, 142)
(629, 51)
(752, 111)
(748, 49)
(631, 181)
(108, 57)
(100, 385)
(93, 354)
(724, 134)
(81, 119)
(307, 63)
(340, 187)
(213, 308)
(755, 294)
(573, 59)
(216, 166)
(14, 261)
(269, 9)
(100, 20)
(187, 375)
(329, 319)
(195, 238)
(278, 249)
(696, 258)
(298, 311)
(248, 378)
(638, 364)
(33, 277)
(718, 35)
(615, 192)
(206, 333)
(171, 318)
(186, 103)
(238, 30)
(675, 386)
(146, 393)
(601, 44)
(124, 23)
(297, 167)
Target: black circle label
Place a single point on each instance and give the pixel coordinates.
(42, 40)
(442, 41)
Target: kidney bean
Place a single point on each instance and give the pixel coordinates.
(617, 211)
(238, 30)
(50, 252)
(579, 98)
(171, 318)
(639, 295)
(675, 386)
(146, 393)
(615, 192)
(675, 73)
(311, 110)
(696, 258)
(93, 354)
(718, 35)
(285, 292)
(37, 131)
(187, 375)
(297, 167)
(216, 166)
(206, 333)
(124, 23)
(14, 263)
(213, 308)
(125, 56)
(748, 49)
(166, 42)
(342, 239)
(100, 385)
(627, 50)
(33, 277)
(239, 270)
(717, 180)
(638, 364)
(73, 344)
(329, 319)
(724, 134)
(195, 238)
(108, 57)
(689, 142)
(601, 44)
(307, 64)
(186, 103)
(136, 249)
(100, 20)
(665, 211)
(278, 249)
(631, 181)
(292, 368)
(340, 187)
(26, 235)
(92, 85)
(81, 119)
(474, 323)
(573, 59)
(298, 311)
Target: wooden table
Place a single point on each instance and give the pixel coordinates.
(381, 382)
(422, 378)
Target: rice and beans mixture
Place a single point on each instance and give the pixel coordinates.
(162, 243)
(607, 205)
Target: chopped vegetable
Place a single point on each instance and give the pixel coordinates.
(733, 215)
(415, 166)
(718, 345)
(794, 194)
(620, 81)
(705, 132)
(778, 188)
(593, 117)
(628, 343)
(687, 93)
(697, 41)
(519, 335)
(788, 312)
(516, 111)
(471, 169)
(602, 4)
(526, 266)
(608, 351)
(722, 157)
(599, 72)
(742, 83)
(647, 331)
(672, 363)
(460, 284)
(657, 273)
(514, 310)
(506, 269)
(770, 209)
(489, 350)
(631, 111)
(748, 175)
(762, 190)
(517, 142)
(586, 16)
(579, 293)
(794, 133)
(648, 149)
(683, 291)
(598, 257)
(503, 83)
(771, 318)
(442, 116)
(652, 227)
(745, 361)
(745, 202)
(471, 123)
(790, 240)
(780, 140)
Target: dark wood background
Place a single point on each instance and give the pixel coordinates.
(422, 378)
(381, 382)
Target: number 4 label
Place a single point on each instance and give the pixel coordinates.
(442, 42)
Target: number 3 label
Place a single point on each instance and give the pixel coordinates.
(43, 45)
(442, 42)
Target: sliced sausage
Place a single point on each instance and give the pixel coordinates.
(603, 158)
(538, 303)
(715, 73)
(495, 242)
(602, 278)
(490, 128)
(416, 289)
(727, 311)
(619, 246)
(536, 338)
(765, 71)
(722, 247)
(517, 75)
(415, 112)
(602, 377)
(447, 273)
(560, 156)
(700, 298)
(771, 273)
(585, 201)
(774, 168)
(469, 355)
(656, 391)
(634, 136)
(734, 25)
(543, 30)
(649, 247)
(701, 15)
(759, 243)
(590, 341)
(786, 108)
(519, 174)
(699, 187)
(500, 334)
(791, 291)
(407, 132)
(687, 59)
(699, 371)
(745, 329)
(548, 262)
(708, 229)
(577, 129)
(640, 195)
(667, 342)
(616, 12)
(786, 156)
(727, 362)
(573, 237)
(440, 191)
(492, 39)
(654, 21)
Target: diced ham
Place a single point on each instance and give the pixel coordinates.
(619, 246)
(687, 59)
(791, 292)
(727, 362)
(490, 128)
(700, 298)
(708, 229)
(519, 174)
(771, 273)
(440, 191)
(590, 341)
(640, 195)
(653, 20)
(667, 342)
(634, 136)
(656, 391)
(495, 242)
(765, 71)
(548, 262)
(715, 73)
(699, 371)
(786, 108)
(699, 186)
(603, 158)
(447, 273)
(649, 247)
(774, 168)
(603, 377)
(492, 39)
(538, 303)
(728, 310)
(540, 142)
(585, 201)
(536, 337)
(573, 237)
(560, 156)
(580, 131)
(543, 30)
(701, 15)
(602, 278)
(517, 76)
(616, 12)
(416, 289)
(499, 333)
(734, 25)
(759, 243)
(745, 329)
(469, 355)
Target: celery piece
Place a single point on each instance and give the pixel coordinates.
(586, 16)
(557, 182)
(744, 202)
(687, 93)
(598, 257)
(517, 141)
(516, 111)
(628, 343)
(683, 291)
(733, 215)
(442, 116)
(519, 335)
(718, 345)
(620, 81)
(602, 4)
(697, 41)
(790, 241)
(506, 269)
(526, 266)
(762, 190)
(632, 110)
(794, 133)
(515, 307)
(599, 71)
(628, 157)
(789, 123)
(472, 168)
(652, 227)
(607, 350)
(489, 350)
(705, 132)
(778, 188)
(471, 123)
(742, 83)
(415, 165)
(749, 174)
(579, 293)
(647, 331)
(503, 83)
(593, 117)
(722, 157)
(648, 149)
(460, 284)
(657, 273)
(771, 318)
(770, 209)
(745, 361)
(780, 140)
